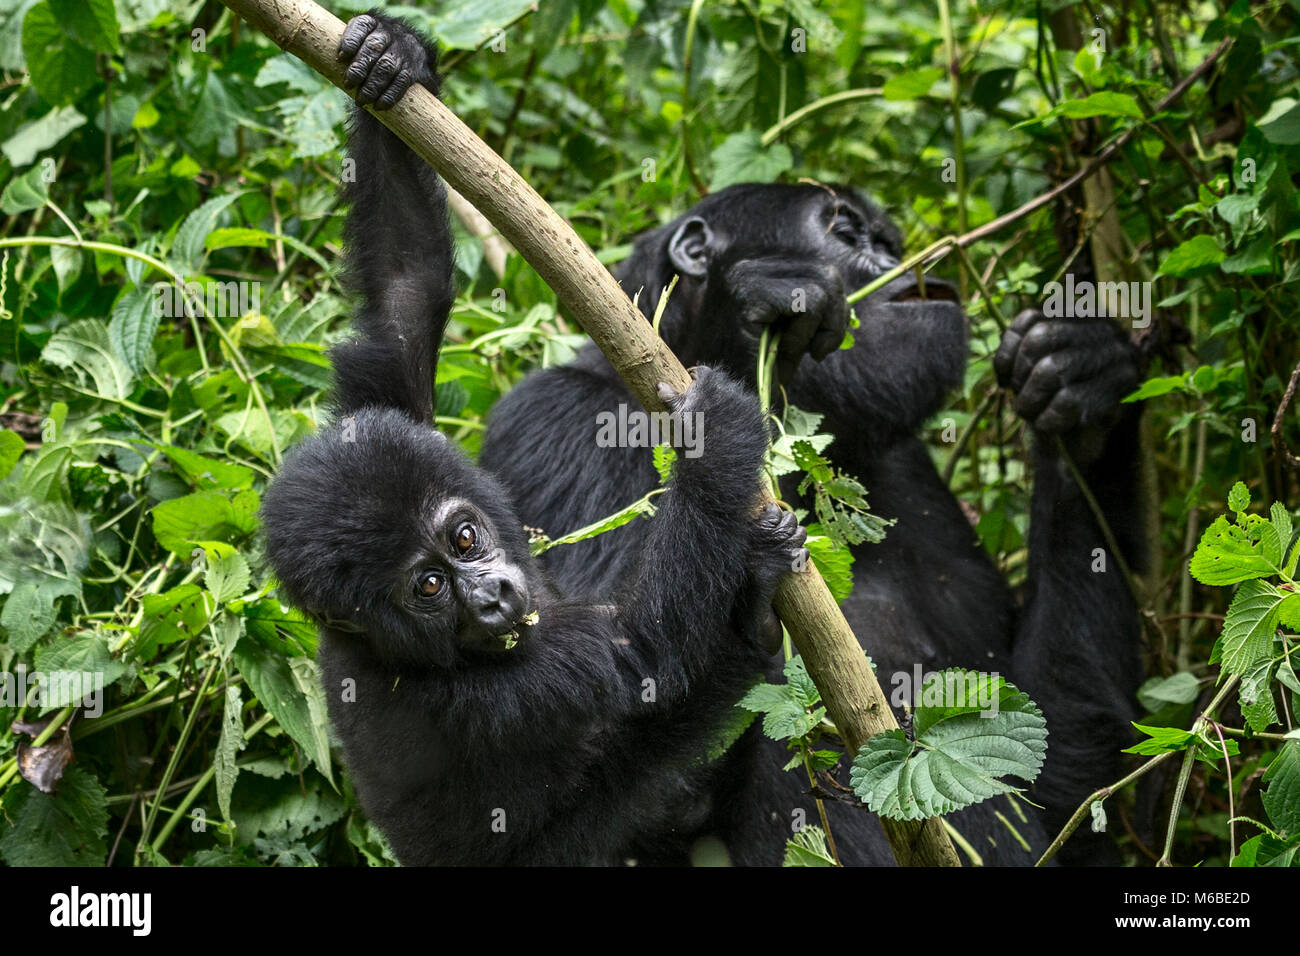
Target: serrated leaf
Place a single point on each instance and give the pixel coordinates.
(92, 23)
(206, 473)
(1282, 797)
(132, 329)
(188, 248)
(1239, 498)
(65, 828)
(61, 68)
(283, 693)
(958, 755)
(226, 575)
(1196, 256)
(1249, 625)
(172, 616)
(1227, 555)
(86, 348)
(800, 684)
(665, 457)
(85, 652)
(1256, 696)
(808, 848)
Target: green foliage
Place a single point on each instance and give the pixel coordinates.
(961, 746)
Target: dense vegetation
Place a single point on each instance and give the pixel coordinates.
(148, 141)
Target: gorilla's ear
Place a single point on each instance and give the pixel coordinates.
(689, 247)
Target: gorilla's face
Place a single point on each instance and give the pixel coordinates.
(784, 257)
(381, 526)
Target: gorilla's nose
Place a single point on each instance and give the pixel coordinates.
(498, 602)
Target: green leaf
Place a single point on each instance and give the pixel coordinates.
(226, 575)
(228, 747)
(181, 524)
(801, 685)
(192, 234)
(93, 23)
(1103, 103)
(133, 327)
(33, 138)
(1197, 256)
(61, 68)
(1239, 498)
(1282, 797)
(28, 191)
(206, 473)
(65, 828)
(834, 564)
(1163, 740)
(1155, 387)
(86, 348)
(1255, 694)
(1159, 692)
(1281, 124)
(172, 616)
(285, 696)
(665, 457)
(465, 24)
(958, 755)
(1226, 555)
(911, 85)
(742, 158)
(85, 652)
(1248, 628)
(12, 447)
(808, 848)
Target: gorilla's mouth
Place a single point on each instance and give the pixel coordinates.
(510, 638)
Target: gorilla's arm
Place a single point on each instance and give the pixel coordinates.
(1076, 649)
(400, 254)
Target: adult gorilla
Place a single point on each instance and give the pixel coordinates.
(783, 256)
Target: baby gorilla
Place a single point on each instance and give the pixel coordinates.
(484, 718)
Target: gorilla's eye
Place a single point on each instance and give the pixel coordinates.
(465, 538)
(846, 228)
(431, 583)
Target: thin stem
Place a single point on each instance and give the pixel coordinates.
(779, 129)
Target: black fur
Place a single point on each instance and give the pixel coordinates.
(929, 594)
(583, 742)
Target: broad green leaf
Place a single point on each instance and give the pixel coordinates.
(1255, 694)
(1226, 555)
(742, 158)
(188, 247)
(61, 68)
(1158, 692)
(92, 23)
(835, 565)
(28, 191)
(133, 327)
(226, 575)
(1282, 794)
(465, 24)
(86, 348)
(172, 616)
(65, 828)
(1248, 628)
(282, 693)
(958, 756)
(1155, 387)
(238, 237)
(181, 524)
(33, 138)
(206, 473)
(1239, 498)
(1281, 124)
(800, 684)
(1196, 256)
(85, 652)
(910, 85)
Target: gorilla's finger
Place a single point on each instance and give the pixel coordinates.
(370, 51)
(825, 342)
(1062, 414)
(1004, 358)
(667, 394)
(385, 70)
(1040, 387)
(396, 90)
(354, 34)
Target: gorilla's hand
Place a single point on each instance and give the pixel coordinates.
(801, 300)
(1068, 376)
(776, 546)
(384, 58)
